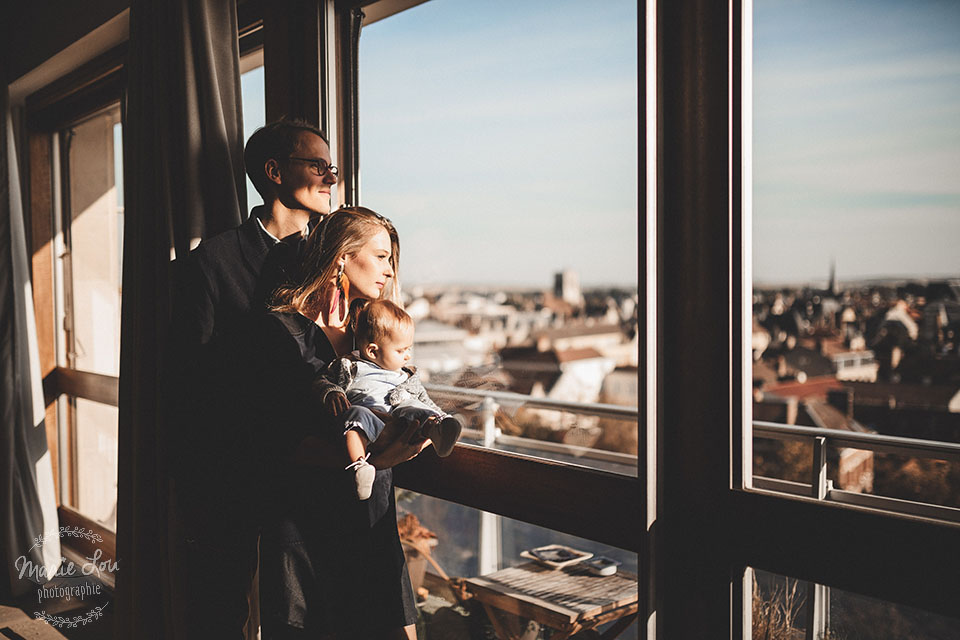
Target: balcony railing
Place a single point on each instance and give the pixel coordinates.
(819, 487)
(488, 402)
(491, 436)
(822, 488)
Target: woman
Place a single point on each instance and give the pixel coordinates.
(330, 565)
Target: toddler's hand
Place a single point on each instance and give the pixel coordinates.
(336, 403)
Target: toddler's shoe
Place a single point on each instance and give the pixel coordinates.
(444, 433)
(364, 474)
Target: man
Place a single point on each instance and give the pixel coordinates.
(223, 280)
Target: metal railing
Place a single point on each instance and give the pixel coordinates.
(489, 548)
(821, 488)
(491, 436)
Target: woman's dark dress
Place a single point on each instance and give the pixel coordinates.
(328, 562)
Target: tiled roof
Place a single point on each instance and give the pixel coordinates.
(764, 372)
(516, 356)
(569, 355)
(810, 361)
(911, 396)
(575, 331)
(526, 354)
(812, 388)
(827, 417)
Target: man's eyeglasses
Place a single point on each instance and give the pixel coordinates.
(318, 166)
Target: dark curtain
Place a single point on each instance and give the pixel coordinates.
(183, 181)
(28, 506)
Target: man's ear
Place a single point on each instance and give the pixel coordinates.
(272, 168)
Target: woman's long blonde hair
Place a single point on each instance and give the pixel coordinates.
(344, 231)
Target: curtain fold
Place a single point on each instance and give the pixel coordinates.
(183, 173)
(28, 505)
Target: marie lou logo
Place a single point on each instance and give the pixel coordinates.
(72, 580)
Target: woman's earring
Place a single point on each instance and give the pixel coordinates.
(338, 298)
(344, 289)
(337, 294)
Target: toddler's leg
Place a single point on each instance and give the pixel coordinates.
(361, 427)
(442, 430)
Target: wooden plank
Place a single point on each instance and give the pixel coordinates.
(521, 604)
(42, 260)
(107, 547)
(53, 445)
(591, 504)
(91, 386)
(41, 221)
(32, 630)
(10, 615)
(572, 592)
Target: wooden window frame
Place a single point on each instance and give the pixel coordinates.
(84, 91)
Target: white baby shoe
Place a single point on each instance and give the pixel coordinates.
(364, 474)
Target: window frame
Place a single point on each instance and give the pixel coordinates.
(83, 92)
(711, 524)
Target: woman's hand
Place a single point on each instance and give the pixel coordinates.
(401, 449)
(336, 402)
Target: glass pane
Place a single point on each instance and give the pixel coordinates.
(96, 237)
(856, 211)
(96, 462)
(512, 177)
(254, 116)
(466, 543)
(784, 608)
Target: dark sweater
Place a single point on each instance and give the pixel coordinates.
(219, 285)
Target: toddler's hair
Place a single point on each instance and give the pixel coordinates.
(379, 319)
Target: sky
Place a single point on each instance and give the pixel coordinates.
(856, 139)
(504, 149)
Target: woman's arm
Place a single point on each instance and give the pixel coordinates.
(315, 451)
(400, 450)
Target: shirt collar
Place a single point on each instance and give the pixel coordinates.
(268, 237)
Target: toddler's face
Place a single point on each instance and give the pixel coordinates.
(394, 349)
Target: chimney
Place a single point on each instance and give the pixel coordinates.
(842, 400)
(792, 408)
(781, 367)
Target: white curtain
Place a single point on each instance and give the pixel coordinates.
(29, 528)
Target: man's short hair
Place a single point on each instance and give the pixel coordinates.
(276, 140)
(380, 319)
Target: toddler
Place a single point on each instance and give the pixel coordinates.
(376, 378)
